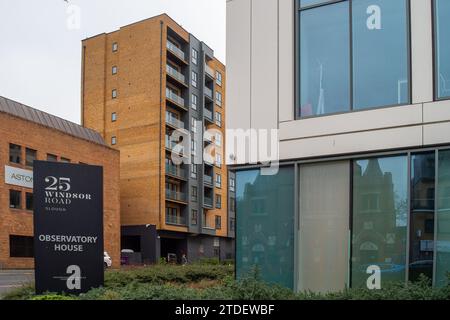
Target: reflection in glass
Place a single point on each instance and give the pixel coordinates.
(380, 202)
(324, 60)
(380, 53)
(442, 32)
(422, 215)
(443, 220)
(265, 225)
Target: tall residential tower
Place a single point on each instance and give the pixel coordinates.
(139, 85)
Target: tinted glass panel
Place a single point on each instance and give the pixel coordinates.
(305, 3)
(442, 31)
(324, 60)
(380, 53)
(265, 226)
(443, 220)
(380, 205)
(421, 250)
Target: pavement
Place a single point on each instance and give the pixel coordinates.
(11, 279)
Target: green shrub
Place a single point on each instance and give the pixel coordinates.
(22, 293)
(53, 297)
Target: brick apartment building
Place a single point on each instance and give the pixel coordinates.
(27, 135)
(140, 84)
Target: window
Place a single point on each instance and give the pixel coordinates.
(194, 79)
(15, 153)
(232, 205)
(194, 171)
(218, 160)
(194, 125)
(274, 244)
(232, 184)
(21, 247)
(115, 47)
(442, 48)
(29, 201)
(114, 94)
(218, 98)
(193, 147)
(113, 140)
(30, 156)
(65, 160)
(15, 199)
(218, 222)
(194, 194)
(52, 157)
(443, 220)
(218, 180)
(114, 70)
(218, 119)
(352, 56)
(194, 217)
(218, 78)
(379, 237)
(218, 139)
(194, 56)
(113, 117)
(232, 224)
(218, 201)
(194, 101)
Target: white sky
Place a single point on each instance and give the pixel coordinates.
(40, 57)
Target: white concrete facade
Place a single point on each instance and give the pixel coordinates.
(261, 89)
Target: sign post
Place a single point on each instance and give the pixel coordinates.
(68, 227)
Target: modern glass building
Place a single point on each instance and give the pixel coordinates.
(359, 93)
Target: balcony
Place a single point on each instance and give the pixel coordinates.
(175, 123)
(175, 98)
(176, 171)
(176, 220)
(208, 114)
(174, 73)
(208, 179)
(176, 196)
(208, 93)
(208, 202)
(209, 71)
(176, 51)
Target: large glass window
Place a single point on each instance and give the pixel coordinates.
(442, 41)
(443, 220)
(21, 247)
(380, 53)
(265, 225)
(324, 60)
(380, 218)
(421, 249)
(353, 55)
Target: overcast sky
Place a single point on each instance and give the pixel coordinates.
(40, 45)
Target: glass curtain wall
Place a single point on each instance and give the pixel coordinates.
(421, 246)
(443, 220)
(442, 48)
(380, 218)
(265, 225)
(353, 55)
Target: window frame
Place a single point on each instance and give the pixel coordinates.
(351, 108)
(19, 194)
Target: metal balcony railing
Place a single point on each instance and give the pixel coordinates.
(208, 179)
(175, 195)
(174, 97)
(175, 122)
(176, 171)
(209, 71)
(208, 93)
(208, 114)
(175, 74)
(208, 201)
(176, 220)
(177, 51)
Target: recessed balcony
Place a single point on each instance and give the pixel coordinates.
(176, 52)
(176, 75)
(175, 99)
(176, 171)
(209, 72)
(176, 196)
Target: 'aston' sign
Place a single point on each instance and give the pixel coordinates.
(68, 227)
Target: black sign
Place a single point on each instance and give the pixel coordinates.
(68, 227)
